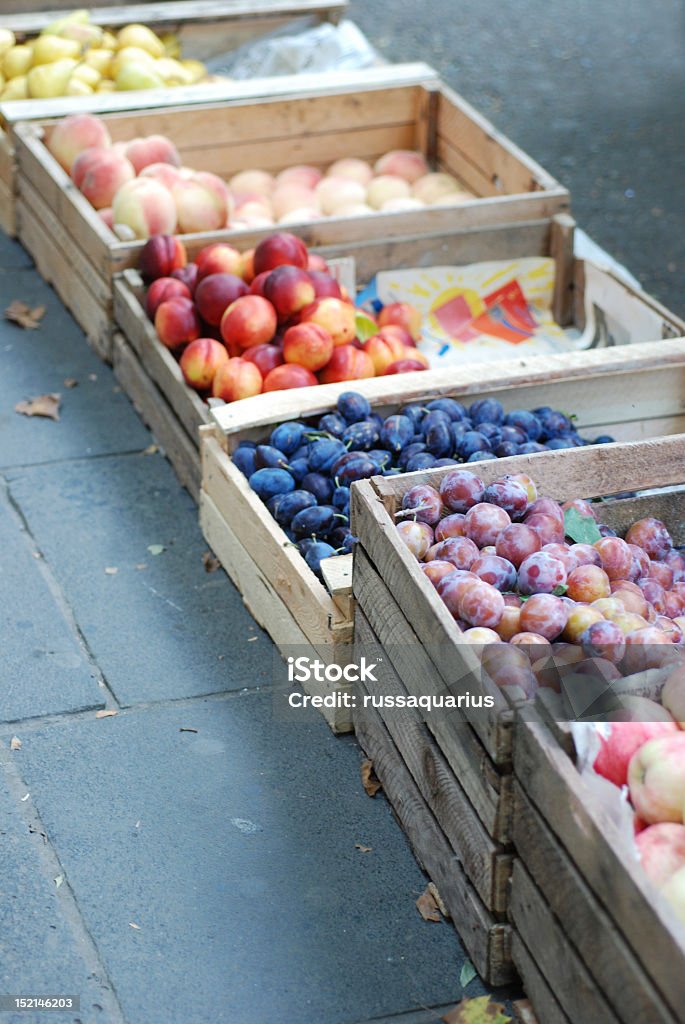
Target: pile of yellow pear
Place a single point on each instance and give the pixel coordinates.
(73, 57)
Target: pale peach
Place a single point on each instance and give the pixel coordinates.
(403, 163)
(146, 207)
(165, 173)
(99, 173)
(352, 169)
(253, 181)
(154, 149)
(303, 174)
(75, 133)
(434, 186)
(198, 208)
(384, 187)
(656, 776)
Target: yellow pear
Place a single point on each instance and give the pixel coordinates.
(48, 49)
(50, 80)
(172, 72)
(108, 41)
(136, 75)
(141, 36)
(75, 87)
(16, 61)
(130, 55)
(100, 59)
(2, 81)
(16, 89)
(105, 85)
(7, 40)
(196, 69)
(171, 44)
(85, 73)
(55, 28)
(86, 35)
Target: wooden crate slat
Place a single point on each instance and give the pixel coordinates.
(585, 922)
(8, 218)
(546, 1006)
(487, 942)
(486, 864)
(544, 937)
(552, 783)
(155, 412)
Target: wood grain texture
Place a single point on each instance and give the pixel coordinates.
(587, 927)
(487, 942)
(547, 1009)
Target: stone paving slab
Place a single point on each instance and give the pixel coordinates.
(43, 668)
(163, 632)
(95, 418)
(43, 948)
(12, 255)
(233, 850)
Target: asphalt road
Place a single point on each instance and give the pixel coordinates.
(595, 91)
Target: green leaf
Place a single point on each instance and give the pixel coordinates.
(468, 973)
(477, 1011)
(581, 529)
(365, 326)
(560, 590)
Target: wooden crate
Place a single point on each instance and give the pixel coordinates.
(205, 30)
(422, 645)
(315, 121)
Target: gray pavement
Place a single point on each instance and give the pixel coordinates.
(169, 876)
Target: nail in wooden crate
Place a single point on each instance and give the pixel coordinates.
(204, 30)
(305, 119)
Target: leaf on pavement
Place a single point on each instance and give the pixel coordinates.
(20, 313)
(468, 973)
(477, 1011)
(70, 382)
(43, 405)
(156, 549)
(58, 881)
(106, 713)
(15, 743)
(111, 570)
(210, 563)
(151, 449)
(362, 848)
(370, 781)
(427, 907)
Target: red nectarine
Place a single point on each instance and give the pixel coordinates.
(238, 378)
(250, 320)
(289, 376)
(347, 363)
(200, 361)
(308, 345)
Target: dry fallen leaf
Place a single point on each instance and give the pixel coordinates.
(15, 743)
(132, 925)
(370, 781)
(111, 570)
(43, 405)
(106, 713)
(150, 450)
(71, 382)
(427, 907)
(22, 314)
(363, 849)
(58, 881)
(210, 563)
(477, 1011)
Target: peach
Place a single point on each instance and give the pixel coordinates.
(301, 174)
(218, 187)
(292, 196)
(106, 215)
(673, 891)
(215, 293)
(145, 207)
(200, 361)
(324, 285)
(265, 357)
(255, 215)
(177, 322)
(235, 379)
(624, 739)
(308, 345)
(188, 275)
(218, 258)
(301, 215)
(398, 333)
(352, 169)
(402, 314)
(347, 363)
(160, 290)
(354, 210)
(289, 289)
(240, 199)
(154, 149)
(432, 187)
(656, 777)
(384, 352)
(279, 249)
(332, 193)
(403, 163)
(161, 256)
(452, 198)
(75, 133)
(405, 366)
(249, 321)
(401, 203)
(198, 208)
(253, 181)
(336, 315)
(164, 173)
(384, 187)
(98, 173)
(287, 376)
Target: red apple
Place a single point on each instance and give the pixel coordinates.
(324, 285)
(308, 345)
(235, 379)
(160, 256)
(249, 321)
(656, 776)
(218, 258)
(619, 746)
(188, 275)
(279, 249)
(347, 363)
(215, 293)
(162, 289)
(288, 289)
(265, 357)
(662, 850)
(336, 315)
(200, 361)
(177, 322)
(403, 314)
(289, 376)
